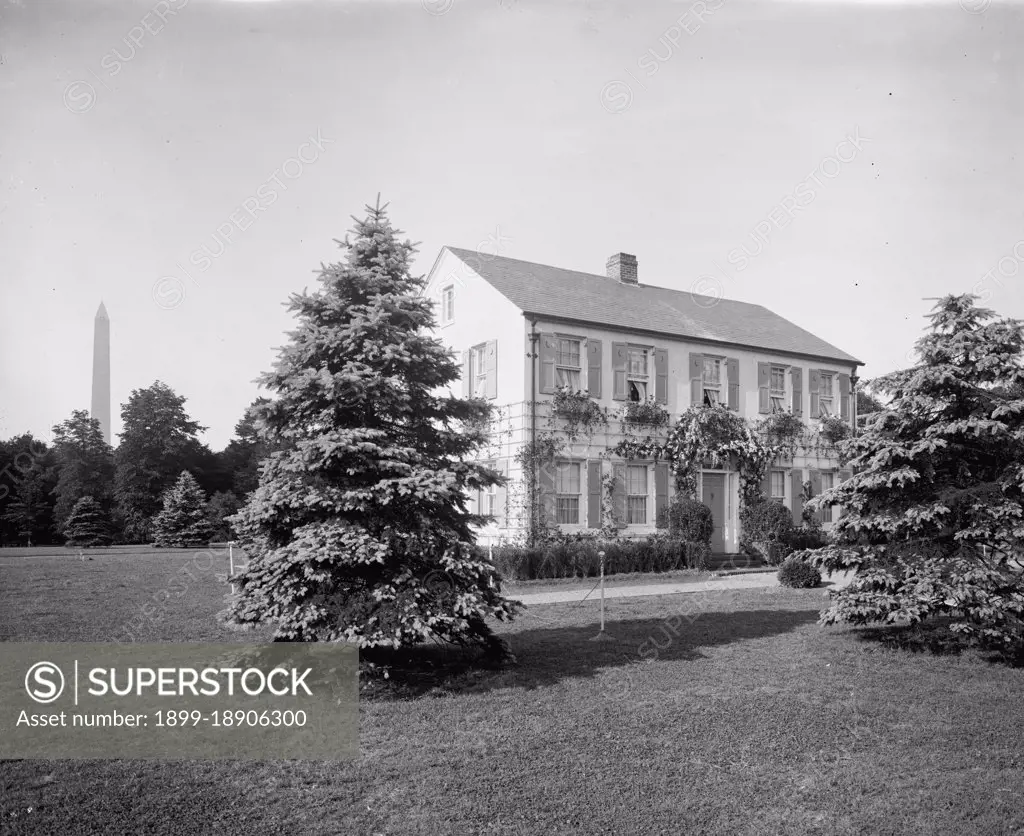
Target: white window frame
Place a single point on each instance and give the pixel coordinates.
(644, 503)
(638, 381)
(711, 390)
(780, 497)
(826, 403)
(478, 370)
(566, 367)
(777, 398)
(565, 499)
(448, 304)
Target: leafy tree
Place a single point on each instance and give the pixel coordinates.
(244, 453)
(359, 530)
(30, 514)
(28, 475)
(86, 464)
(867, 403)
(158, 442)
(185, 518)
(222, 505)
(933, 518)
(88, 524)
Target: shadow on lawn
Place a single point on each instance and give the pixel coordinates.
(548, 655)
(932, 637)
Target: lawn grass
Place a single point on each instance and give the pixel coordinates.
(751, 719)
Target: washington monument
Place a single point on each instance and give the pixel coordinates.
(101, 371)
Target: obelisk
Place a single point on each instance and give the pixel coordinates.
(101, 371)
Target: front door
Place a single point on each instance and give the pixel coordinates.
(714, 498)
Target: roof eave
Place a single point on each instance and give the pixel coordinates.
(851, 361)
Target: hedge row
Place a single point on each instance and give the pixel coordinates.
(579, 559)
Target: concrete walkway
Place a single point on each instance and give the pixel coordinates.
(758, 580)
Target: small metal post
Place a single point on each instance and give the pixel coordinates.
(231, 566)
(602, 635)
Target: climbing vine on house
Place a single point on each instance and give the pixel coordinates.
(578, 411)
(715, 433)
(532, 457)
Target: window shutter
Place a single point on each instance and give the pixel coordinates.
(661, 375)
(594, 368)
(764, 382)
(796, 376)
(812, 387)
(619, 360)
(844, 397)
(501, 494)
(491, 367)
(546, 492)
(619, 494)
(796, 481)
(547, 364)
(732, 366)
(696, 378)
(815, 491)
(660, 493)
(466, 374)
(594, 494)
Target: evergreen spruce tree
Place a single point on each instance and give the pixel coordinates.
(185, 518)
(88, 524)
(933, 517)
(358, 530)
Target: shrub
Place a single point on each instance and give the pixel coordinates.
(798, 574)
(688, 519)
(579, 558)
(805, 538)
(765, 527)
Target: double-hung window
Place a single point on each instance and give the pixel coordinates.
(777, 393)
(778, 485)
(826, 383)
(448, 305)
(828, 481)
(567, 490)
(712, 381)
(478, 366)
(636, 373)
(567, 363)
(636, 494)
(488, 501)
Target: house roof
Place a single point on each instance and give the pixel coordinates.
(586, 297)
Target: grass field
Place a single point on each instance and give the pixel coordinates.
(751, 719)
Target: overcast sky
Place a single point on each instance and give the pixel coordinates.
(835, 162)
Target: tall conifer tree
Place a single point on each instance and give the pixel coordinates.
(359, 528)
(933, 517)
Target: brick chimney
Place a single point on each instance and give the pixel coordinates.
(622, 268)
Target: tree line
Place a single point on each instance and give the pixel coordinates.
(81, 490)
